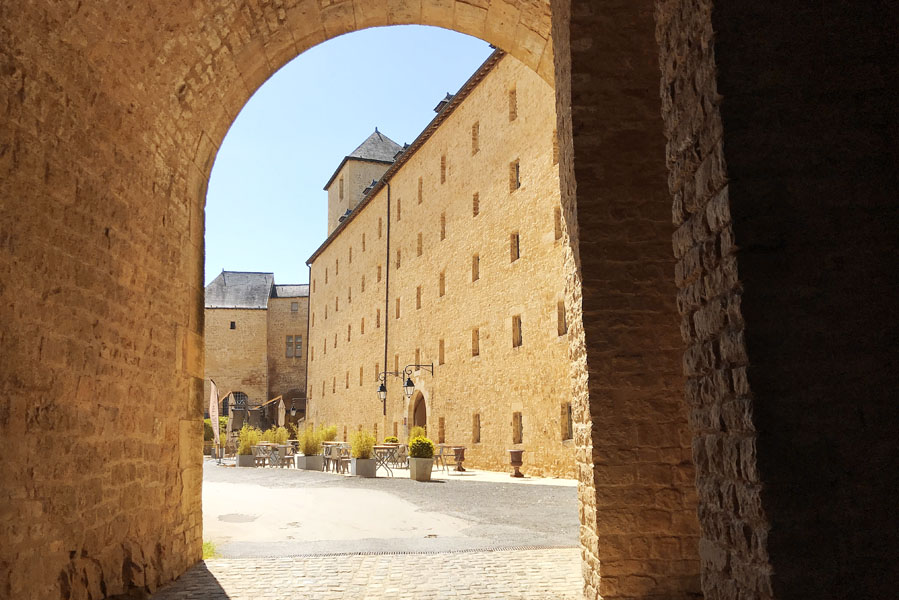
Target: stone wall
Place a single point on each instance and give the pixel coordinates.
(287, 376)
(356, 176)
(236, 359)
(531, 379)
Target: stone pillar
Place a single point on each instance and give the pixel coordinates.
(639, 523)
(782, 156)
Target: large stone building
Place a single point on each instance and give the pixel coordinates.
(255, 333)
(450, 253)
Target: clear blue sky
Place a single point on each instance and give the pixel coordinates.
(265, 207)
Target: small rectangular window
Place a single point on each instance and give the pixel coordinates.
(298, 346)
(379, 273)
(349, 329)
(475, 135)
(294, 307)
(441, 430)
(378, 319)
(441, 357)
(475, 267)
(233, 325)
(419, 244)
(347, 384)
(399, 257)
(351, 255)
(476, 428)
(513, 104)
(442, 226)
(289, 353)
(418, 297)
(514, 249)
(349, 295)
(336, 267)
(334, 385)
(397, 308)
(396, 363)
(475, 204)
(311, 353)
(557, 219)
(566, 421)
(363, 242)
(561, 318)
(361, 374)
(420, 190)
(517, 428)
(380, 226)
(313, 319)
(336, 304)
(443, 168)
(418, 356)
(377, 371)
(335, 340)
(362, 327)
(516, 331)
(514, 175)
(441, 287)
(362, 283)
(395, 425)
(313, 286)
(399, 209)
(326, 276)
(475, 342)
(340, 186)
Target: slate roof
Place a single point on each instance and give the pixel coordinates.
(240, 289)
(376, 148)
(291, 291)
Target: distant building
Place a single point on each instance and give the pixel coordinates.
(255, 339)
(450, 252)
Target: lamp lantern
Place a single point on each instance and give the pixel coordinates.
(408, 387)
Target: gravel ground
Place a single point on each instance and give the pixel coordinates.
(479, 515)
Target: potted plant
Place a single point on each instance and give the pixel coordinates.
(310, 441)
(362, 445)
(421, 458)
(391, 439)
(248, 437)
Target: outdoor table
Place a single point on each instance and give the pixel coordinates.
(384, 454)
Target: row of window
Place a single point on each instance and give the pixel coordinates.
(566, 426)
(514, 255)
(517, 333)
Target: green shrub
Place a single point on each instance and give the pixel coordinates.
(248, 437)
(329, 434)
(276, 435)
(417, 431)
(391, 439)
(310, 441)
(207, 429)
(421, 447)
(362, 444)
(209, 550)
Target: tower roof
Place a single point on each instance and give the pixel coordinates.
(376, 148)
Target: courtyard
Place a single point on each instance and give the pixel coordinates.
(288, 533)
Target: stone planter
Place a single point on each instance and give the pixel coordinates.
(516, 462)
(364, 467)
(420, 468)
(246, 460)
(310, 463)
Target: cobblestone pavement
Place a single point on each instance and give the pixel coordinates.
(542, 574)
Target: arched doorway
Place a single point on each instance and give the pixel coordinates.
(419, 412)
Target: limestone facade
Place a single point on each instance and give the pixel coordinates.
(256, 337)
(476, 285)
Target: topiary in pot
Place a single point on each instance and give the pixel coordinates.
(247, 437)
(417, 431)
(391, 439)
(421, 458)
(362, 445)
(311, 447)
(329, 434)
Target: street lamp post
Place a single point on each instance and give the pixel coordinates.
(408, 385)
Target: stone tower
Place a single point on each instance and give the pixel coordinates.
(356, 172)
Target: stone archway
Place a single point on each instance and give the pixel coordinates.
(418, 411)
(111, 118)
